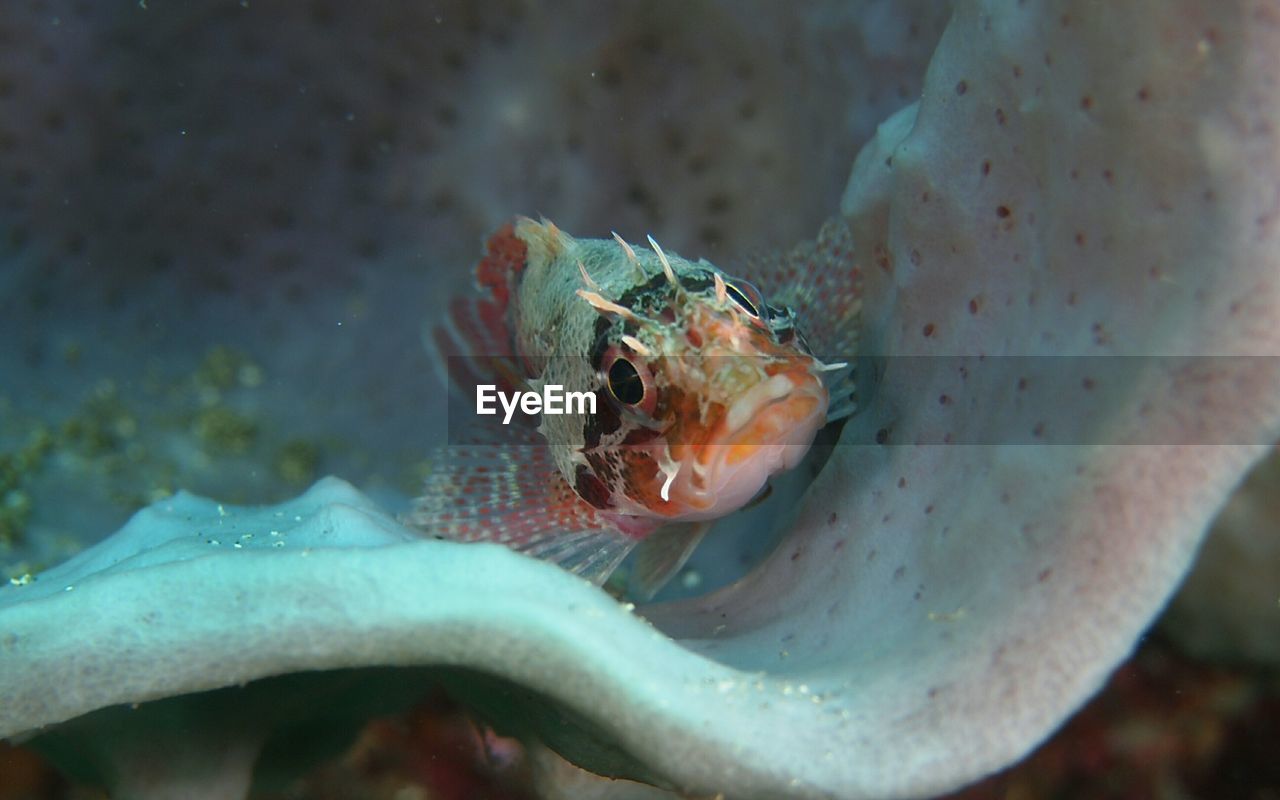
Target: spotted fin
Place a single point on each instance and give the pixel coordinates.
(661, 555)
(506, 255)
(512, 494)
(821, 282)
(474, 344)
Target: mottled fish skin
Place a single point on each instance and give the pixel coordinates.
(703, 390)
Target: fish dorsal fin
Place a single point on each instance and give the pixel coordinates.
(505, 256)
(474, 344)
(512, 494)
(821, 281)
(470, 348)
(661, 555)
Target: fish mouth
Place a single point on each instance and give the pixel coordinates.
(765, 430)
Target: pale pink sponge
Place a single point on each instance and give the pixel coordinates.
(1072, 306)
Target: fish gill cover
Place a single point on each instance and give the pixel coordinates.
(1073, 181)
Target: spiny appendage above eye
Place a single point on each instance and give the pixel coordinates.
(629, 381)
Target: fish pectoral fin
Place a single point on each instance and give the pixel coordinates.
(843, 389)
(591, 554)
(511, 493)
(661, 555)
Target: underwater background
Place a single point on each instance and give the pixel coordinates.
(223, 226)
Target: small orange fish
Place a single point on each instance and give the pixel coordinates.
(702, 387)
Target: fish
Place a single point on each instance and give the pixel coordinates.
(702, 385)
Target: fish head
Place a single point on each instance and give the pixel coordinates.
(715, 391)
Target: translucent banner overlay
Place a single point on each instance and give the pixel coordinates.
(927, 400)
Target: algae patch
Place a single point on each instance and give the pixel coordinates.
(15, 498)
(222, 430)
(296, 462)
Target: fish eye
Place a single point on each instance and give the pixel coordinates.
(740, 296)
(629, 381)
(625, 383)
